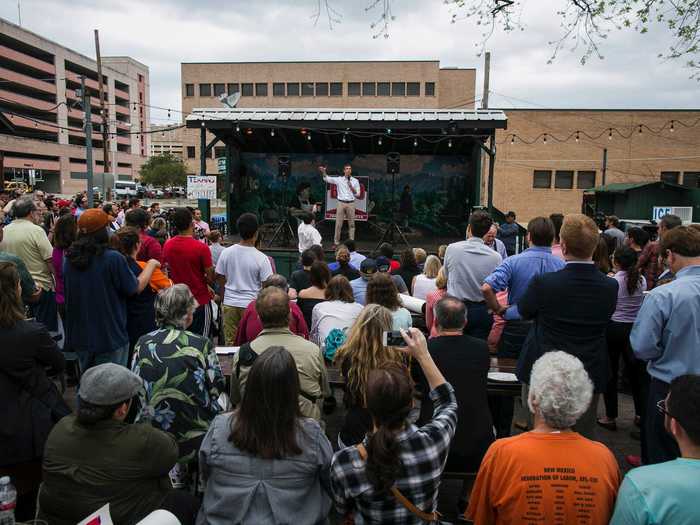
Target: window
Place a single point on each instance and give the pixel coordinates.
(278, 89)
(336, 89)
(219, 89)
(307, 89)
(542, 179)
(321, 89)
(219, 151)
(205, 90)
(369, 89)
(189, 90)
(691, 179)
(413, 89)
(398, 89)
(430, 89)
(190, 152)
(586, 180)
(261, 89)
(292, 89)
(383, 89)
(564, 180)
(233, 88)
(247, 90)
(353, 89)
(670, 176)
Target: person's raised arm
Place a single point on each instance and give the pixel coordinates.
(417, 347)
(324, 173)
(144, 277)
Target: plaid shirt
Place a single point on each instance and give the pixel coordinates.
(423, 453)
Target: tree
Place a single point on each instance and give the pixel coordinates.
(585, 24)
(163, 170)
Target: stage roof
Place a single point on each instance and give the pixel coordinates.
(340, 118)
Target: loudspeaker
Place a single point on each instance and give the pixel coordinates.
(284, 166)
(393, 162)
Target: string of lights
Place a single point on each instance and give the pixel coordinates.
(435, 138)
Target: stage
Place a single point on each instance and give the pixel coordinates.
(440, 164)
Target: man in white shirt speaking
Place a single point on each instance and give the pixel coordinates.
(348, 188)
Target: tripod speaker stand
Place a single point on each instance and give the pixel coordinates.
(283, 229)
(393, 166)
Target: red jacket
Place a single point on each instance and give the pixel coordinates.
(250, 325)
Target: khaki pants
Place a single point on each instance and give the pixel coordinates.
(231, 316)
(344, 210)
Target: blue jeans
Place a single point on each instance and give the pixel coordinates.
(120, 356)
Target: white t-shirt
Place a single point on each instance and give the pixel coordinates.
(245, 268)
(308, 236)
(423, 286)
(332, 314)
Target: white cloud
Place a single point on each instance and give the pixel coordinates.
(164, 33)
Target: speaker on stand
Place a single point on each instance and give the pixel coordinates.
(393, 166)
(283, 229)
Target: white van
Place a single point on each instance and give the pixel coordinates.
(124, 189)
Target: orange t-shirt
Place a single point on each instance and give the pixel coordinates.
(534, 478)
(158, 279)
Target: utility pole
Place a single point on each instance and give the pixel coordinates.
(88, 139)
(487, 75)
(103, 112)
(605, 164)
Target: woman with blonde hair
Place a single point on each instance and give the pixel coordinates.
(424, 283)
(362, 352)
(431, 300)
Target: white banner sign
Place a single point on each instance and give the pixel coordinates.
(201, 187)
(360, 203)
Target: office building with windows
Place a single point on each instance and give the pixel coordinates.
(42, 137)
(165, 139)
(542, 166)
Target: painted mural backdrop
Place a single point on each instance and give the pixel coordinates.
(440, 186)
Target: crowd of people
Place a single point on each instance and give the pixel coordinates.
(139, 303)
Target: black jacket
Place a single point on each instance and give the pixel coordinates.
(464, 361)
(571, 309)
(26, 350)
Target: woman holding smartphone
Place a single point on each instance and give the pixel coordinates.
(363, 351)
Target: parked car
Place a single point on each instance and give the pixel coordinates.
(124, 189)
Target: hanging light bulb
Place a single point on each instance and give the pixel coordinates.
(512, 139)
(272, 132)
(238, 128)
(672, 128)
(388, 131)
(640, 129)
(344, 140)
(544, 139)
(415, 142)
(577, 136)
(308, 136)
(449, 143)
(610, 134)
(379, 141)
(162, 134)
(168, 113)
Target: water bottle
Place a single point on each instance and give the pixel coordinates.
(8, 501)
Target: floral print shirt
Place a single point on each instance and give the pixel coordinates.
(182, 383)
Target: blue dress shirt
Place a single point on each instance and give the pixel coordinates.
(667, 330)
(515, 273)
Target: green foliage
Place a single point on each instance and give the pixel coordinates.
(164, 170)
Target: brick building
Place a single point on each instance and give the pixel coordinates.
(360, 84)
(40, 125)
(530, 179)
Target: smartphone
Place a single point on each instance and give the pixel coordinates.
(393, 338)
